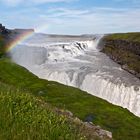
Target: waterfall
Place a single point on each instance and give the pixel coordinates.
(78, 62)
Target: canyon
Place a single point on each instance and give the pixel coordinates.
(77, 61)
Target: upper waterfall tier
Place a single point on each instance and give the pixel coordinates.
(76, 61)
(38, 52)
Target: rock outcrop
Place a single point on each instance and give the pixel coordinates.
(90, 130)
(124, 44)
(11, 34)
(3, 30)
(125, 52)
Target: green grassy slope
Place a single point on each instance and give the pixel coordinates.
(135, 37)
(25, 117)
(121, 122)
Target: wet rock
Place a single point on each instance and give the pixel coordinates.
(138, 75)
(136, 88)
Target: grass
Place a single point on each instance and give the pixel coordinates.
(134, 37)
(122, 123)
(24, 117)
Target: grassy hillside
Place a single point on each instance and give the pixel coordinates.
(121, 122)
(125, 50)
(135, 37)
(25, 117)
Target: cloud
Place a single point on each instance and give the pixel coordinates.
(95, 20)
(11, 2)
(129, 1)
(30, 2)
(62, 20)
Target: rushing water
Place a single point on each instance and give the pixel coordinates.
(77, 61)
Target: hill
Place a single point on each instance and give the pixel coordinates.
(27, 102)
(24, 116)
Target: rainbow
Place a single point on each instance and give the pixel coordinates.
(20, 38)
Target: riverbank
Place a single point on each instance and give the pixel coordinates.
(124, 49)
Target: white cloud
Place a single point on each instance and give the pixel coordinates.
(75, 21)
(96, 20)
(11, 2)
(129, 1)
(30, 2)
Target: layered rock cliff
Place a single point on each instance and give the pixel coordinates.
(125, 50)
(8, 36)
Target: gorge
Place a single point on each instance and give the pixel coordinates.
(77, 61)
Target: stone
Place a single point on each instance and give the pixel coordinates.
(105, 133)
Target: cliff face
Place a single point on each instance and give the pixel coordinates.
(3, 30)
(125, 50)
(8, 33)
(3, 35)
(7, 36)
(131, 46)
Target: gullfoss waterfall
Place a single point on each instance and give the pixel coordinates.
(77, 61)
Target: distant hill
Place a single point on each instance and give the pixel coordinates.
(33, 108)
(3, 30)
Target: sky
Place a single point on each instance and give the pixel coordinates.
(72, 16)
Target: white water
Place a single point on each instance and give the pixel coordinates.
(77, 62)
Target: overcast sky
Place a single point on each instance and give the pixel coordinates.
(72, 16)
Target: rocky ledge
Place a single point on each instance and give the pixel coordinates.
(90, 130)
(124, 51)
